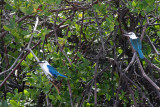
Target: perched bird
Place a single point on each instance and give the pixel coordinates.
(47, 68)
(136, 43)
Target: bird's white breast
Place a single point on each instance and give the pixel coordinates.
(45, 69)
(133, 37)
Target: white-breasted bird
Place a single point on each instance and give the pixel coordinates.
(47, 68)
(136, 43)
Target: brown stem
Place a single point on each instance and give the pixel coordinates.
(70, 92)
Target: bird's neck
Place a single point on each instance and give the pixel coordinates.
(133, 37)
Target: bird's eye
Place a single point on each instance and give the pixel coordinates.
(131, 33)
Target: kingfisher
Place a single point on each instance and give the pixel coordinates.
(47, 68)
(136, 43)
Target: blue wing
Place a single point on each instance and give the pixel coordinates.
(137, 45)
(140, 54)
(54, 72)
(62, 75)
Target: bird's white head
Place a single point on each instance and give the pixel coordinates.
(132, 35)
(43, 63)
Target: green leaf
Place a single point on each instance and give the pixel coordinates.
(158, 33)
(77, 26)
(24, 63)
(6, 28)
(136, 94)
(52, 97)
(4, 103)
(95, 6)
(120, 51)
(62, 41)
(27, 36)
(13, 103)
(88, 105)
(43, 33)
(26, 92)
(27, 10)
(149, 8)
(58, 2)
(7, 6)
(9, 94)
(134, 4)
(157, 60)
(24, 32)
(150, 1)
(79, 54)
(59, 97)
(108, 97)
(84, 79)
(30, 56)
(108, 20)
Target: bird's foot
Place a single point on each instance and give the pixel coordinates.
(49, 77)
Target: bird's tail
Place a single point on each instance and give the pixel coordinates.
(140, 54)
(62, 75)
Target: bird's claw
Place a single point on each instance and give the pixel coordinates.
(50, 79)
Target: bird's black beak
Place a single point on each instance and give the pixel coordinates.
(126, 34)
(40, 62)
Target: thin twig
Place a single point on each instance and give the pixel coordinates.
(115, 60)
(13, 63)
(29, 49)
(132, 94)
(95, 86)
(152, 45)
(70, 17)
(99, 30)
(75, 8)
(147, 25)
(70, 92)
(35, 27)
(144, 29)
(117, 94)
(55, 87)
(95, 77)
(81, 30)
(133, 59)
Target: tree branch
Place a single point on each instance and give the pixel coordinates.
(70, 92)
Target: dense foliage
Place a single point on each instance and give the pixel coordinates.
(83, 40)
